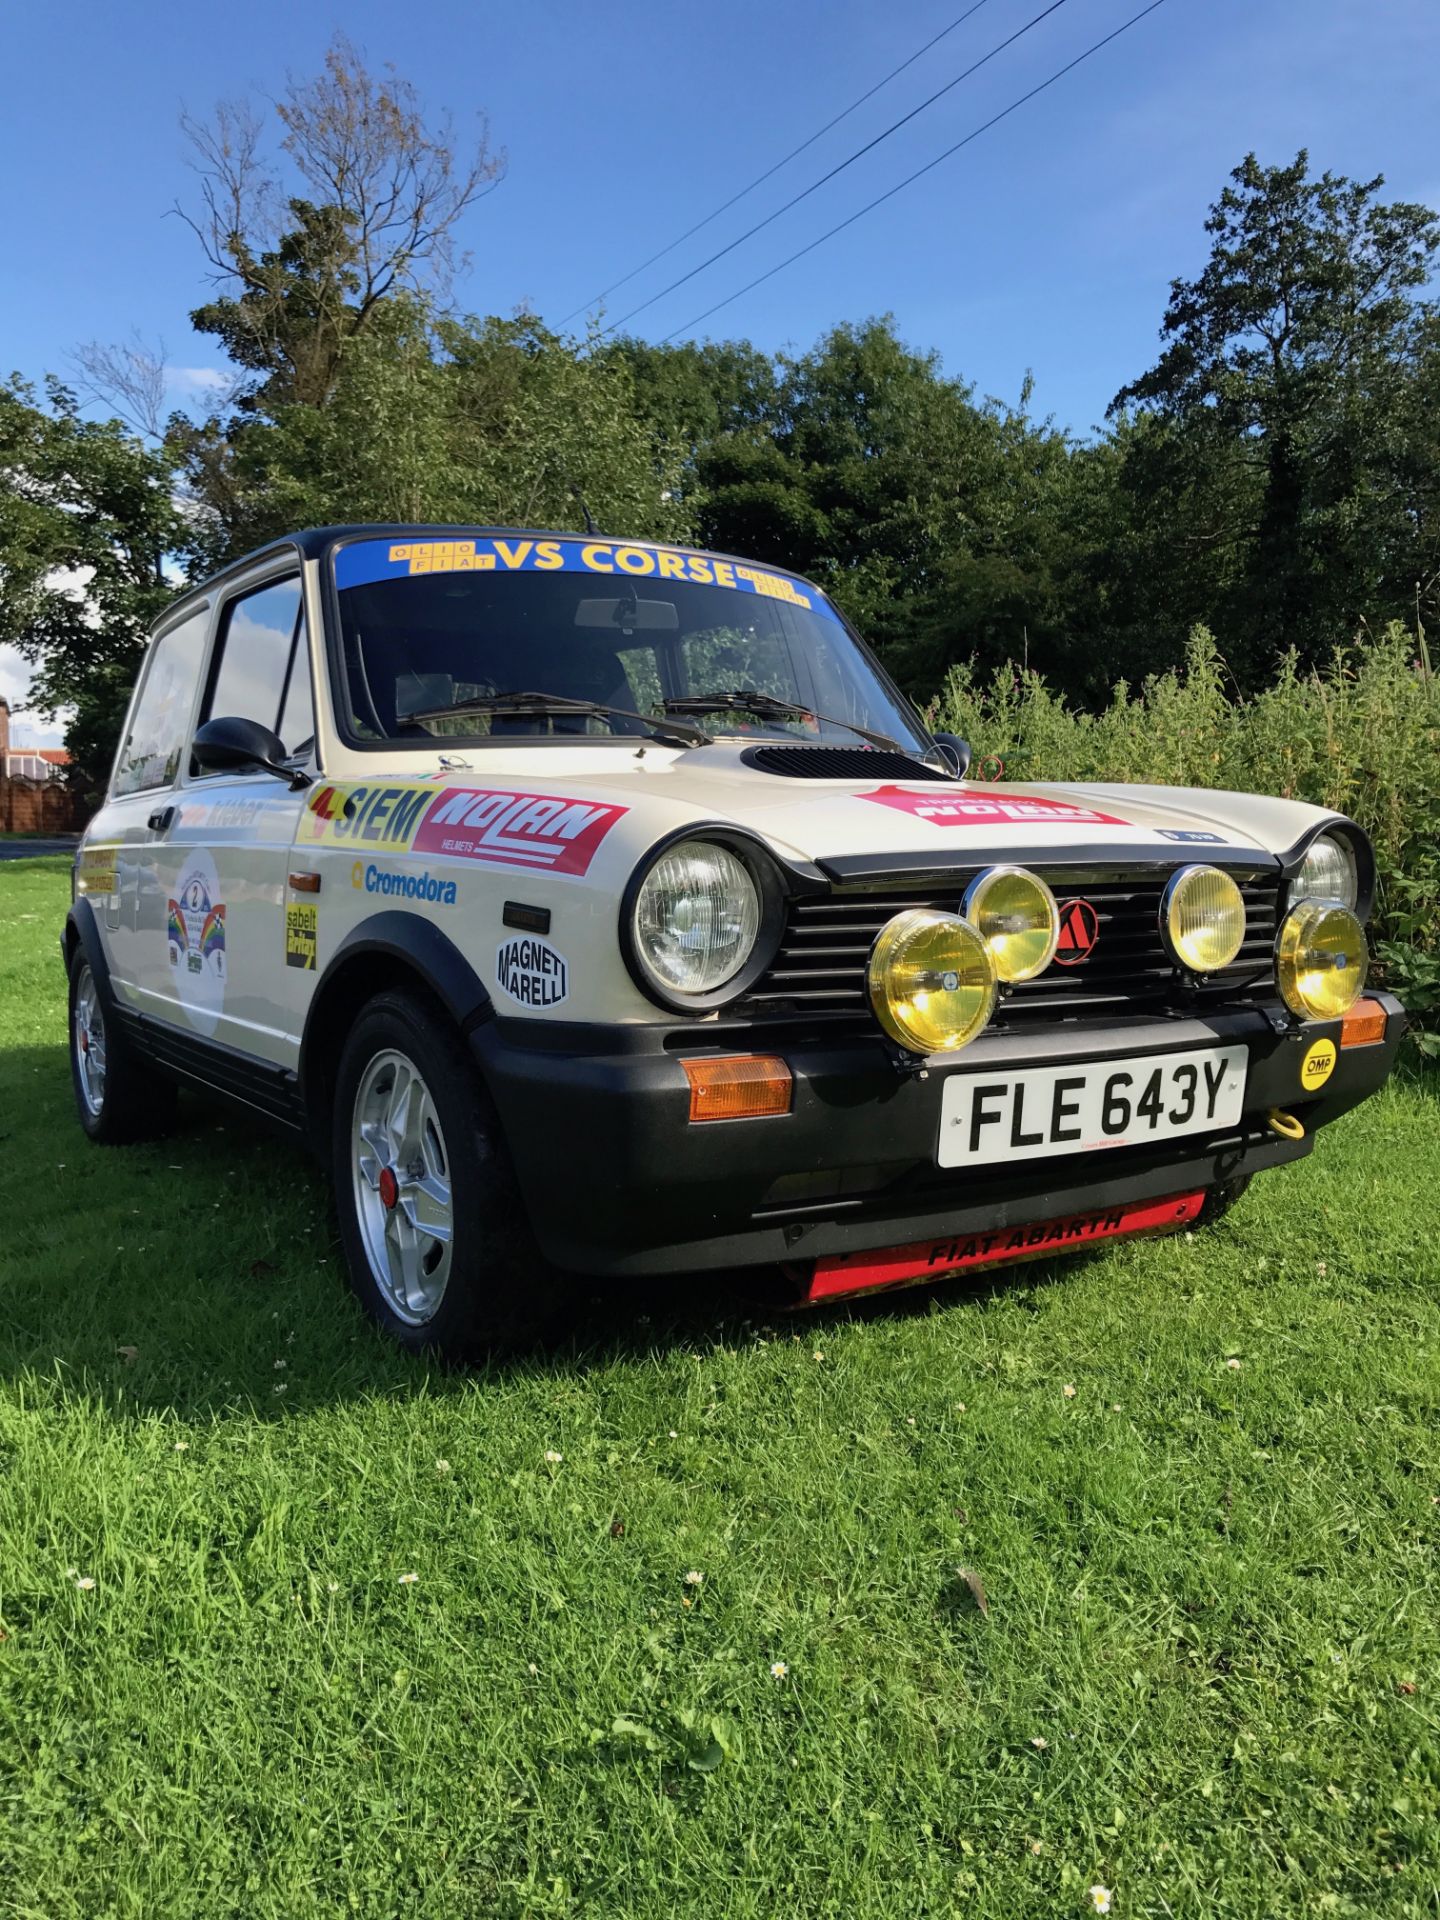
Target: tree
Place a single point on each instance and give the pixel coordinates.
(1283, 389)
(301, 273)
(87, 518)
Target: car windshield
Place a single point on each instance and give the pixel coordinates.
(431, 627)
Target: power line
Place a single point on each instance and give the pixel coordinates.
(849, 161)
(793, 154)
(910, 178)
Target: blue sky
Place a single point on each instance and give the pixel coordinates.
(1045, 246)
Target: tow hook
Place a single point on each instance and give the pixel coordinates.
(1285, 1124)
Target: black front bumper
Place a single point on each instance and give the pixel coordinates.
(617, 1180)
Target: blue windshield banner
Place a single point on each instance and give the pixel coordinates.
(366, 561)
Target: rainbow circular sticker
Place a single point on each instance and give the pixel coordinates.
(1318, 1064)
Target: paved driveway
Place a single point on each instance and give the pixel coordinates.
(32, 849)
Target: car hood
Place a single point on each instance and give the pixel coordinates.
(837, 824)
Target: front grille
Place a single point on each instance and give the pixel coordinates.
(820, 967)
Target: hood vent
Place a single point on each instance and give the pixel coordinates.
(840, 763)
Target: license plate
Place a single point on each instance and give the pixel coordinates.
(986, 1118)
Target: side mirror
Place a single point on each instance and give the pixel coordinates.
(230, 744)
(955, 752)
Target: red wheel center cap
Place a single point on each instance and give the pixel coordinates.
(389, 1188)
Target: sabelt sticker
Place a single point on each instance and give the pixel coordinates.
(543, 832)
(532, 972)
(976, 810)
(1318, 1064)
(195, 942)
(534, 830)
(302, 933)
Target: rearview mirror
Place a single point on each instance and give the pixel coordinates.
(231, 744)
(955, 752)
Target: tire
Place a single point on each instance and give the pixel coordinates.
(1219, 1200)
(417, 1145)
(117, 1097)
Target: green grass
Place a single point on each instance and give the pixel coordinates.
(1207, 1678)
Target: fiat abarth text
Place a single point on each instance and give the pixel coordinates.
(599, 908)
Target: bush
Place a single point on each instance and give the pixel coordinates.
(1361, 737)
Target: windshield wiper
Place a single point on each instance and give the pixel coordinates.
(676, 732)
(764, 706)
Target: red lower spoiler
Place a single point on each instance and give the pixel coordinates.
(848, 1273)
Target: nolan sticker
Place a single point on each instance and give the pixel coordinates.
(544, 832)
(195, 942)
(1318, 1064)
(302, 932)
(1079, 930)
(975, 810)
(534, 830)
(403, 886)
(532, 972)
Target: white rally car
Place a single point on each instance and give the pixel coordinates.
(602, 908)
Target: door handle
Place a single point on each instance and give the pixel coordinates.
(160, 820)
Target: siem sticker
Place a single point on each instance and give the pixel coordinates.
(516, 829)
(532, 972)
(985, 811)
(302, 932)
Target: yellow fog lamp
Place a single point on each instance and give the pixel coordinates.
(931, 981)
(1015, 914)
(1202, 915)
(1320, 960)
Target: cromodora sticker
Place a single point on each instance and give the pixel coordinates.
(532, 972)
(195, 941)
(302, 933)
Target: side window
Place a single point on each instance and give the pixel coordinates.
(252, 655)
(297, 715)
(150, 756)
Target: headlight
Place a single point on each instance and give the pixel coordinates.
(1327, 873)
(1015, 914)
(931, 981)
(696, 917)
(1320, 960)
(1202, 916)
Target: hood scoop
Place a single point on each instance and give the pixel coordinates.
(840, 763)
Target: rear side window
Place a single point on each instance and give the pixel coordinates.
(254, 655)
(150, 755)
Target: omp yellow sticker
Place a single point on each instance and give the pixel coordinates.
(302, 927)
(96, 871)
(1318, 1064)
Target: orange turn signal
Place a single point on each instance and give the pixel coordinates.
(1363, 1025)
(742, 1086)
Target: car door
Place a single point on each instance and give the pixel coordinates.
(140, 805)
(231, 974)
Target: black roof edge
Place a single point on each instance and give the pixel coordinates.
(313, 543)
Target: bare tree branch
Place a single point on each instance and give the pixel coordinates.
(129, 377)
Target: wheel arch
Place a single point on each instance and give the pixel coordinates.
(390, 951)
